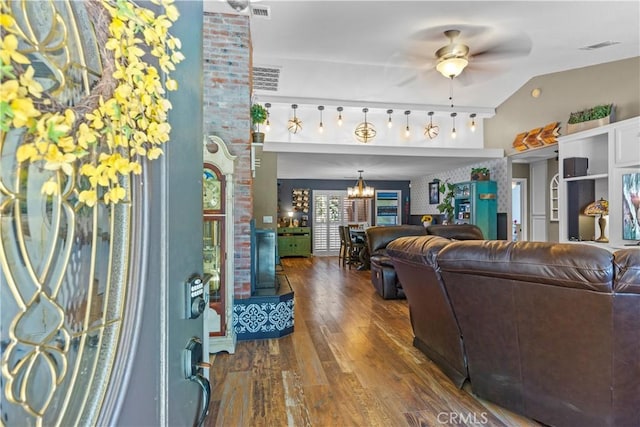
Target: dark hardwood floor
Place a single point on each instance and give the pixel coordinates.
(349, 362)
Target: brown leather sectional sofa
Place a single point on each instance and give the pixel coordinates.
(383, 275)
(551, 331)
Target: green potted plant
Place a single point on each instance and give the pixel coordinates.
(446, 205)
(590, 118)
(480, 174)
(258, 116)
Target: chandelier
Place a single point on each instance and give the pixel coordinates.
(361, 190)
(365, 131)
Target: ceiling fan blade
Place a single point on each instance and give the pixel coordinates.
(407, 80)
(512, 47)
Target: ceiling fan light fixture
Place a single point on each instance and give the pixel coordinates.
(452, 67)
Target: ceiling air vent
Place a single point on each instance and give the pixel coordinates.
(266, 78)
(263, 12)
(599, 45)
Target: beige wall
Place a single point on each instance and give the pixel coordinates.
(265, 190)
(615, 82)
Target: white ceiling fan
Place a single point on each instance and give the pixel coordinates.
(480, 56)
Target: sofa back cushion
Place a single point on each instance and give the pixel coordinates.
(378, 237)
(456, 231)
(561, 264)
(627, 265)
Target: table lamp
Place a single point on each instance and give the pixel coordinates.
(599, 207)
(290, 214)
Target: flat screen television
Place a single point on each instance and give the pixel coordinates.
(631, 206)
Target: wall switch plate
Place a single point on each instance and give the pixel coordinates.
(267, 219)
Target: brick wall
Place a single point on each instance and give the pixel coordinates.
(227, 98)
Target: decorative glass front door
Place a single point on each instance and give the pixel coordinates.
(64, 263)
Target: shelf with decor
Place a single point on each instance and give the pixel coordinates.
(600, 163)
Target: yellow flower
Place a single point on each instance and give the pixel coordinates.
(23, 111)
(8, 50)
(154, 153)
(9, 90)
(27, 152)
(426, 218)
(172, 12)
(114, 195)
(26, 80)
(50, 187)
(55, 160)
(88, 197)
(7, 21)
(172, 84)
(86, 136)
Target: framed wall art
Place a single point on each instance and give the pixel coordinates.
(631, 206)
(434, 193)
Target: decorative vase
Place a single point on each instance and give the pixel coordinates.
(257, 137)
(426, 223)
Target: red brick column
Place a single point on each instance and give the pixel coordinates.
(226, 103)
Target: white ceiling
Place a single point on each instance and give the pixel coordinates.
(383, 51)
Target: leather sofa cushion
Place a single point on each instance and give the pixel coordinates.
(627, 265)
(417, 249)
(456, 231)
(562, 264)
(378, 237)
(381, 259)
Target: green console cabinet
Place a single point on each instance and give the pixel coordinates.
(476, 202)
(294, 241)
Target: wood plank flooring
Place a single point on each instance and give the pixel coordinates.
(349, 362)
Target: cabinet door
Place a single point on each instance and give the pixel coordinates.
(303, 245)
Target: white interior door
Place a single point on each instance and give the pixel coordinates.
(538, 174)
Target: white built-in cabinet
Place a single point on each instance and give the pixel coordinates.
(613, 152)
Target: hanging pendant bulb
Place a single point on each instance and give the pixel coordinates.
(473, 122)
(430, 130)
(339, 116)
(453, 130)
(295, 124)
(320, 126)
(365, 131)
(267, 124)
(407, 131)
(389, 122)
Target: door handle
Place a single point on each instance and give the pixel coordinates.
(193, 366)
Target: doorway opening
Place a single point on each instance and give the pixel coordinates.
(519, 211)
